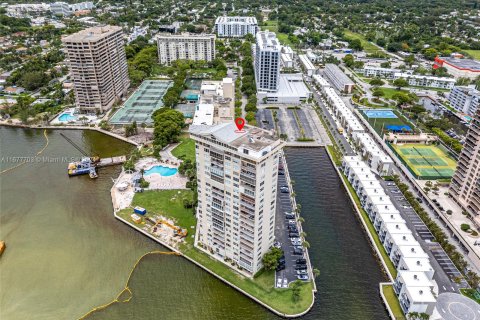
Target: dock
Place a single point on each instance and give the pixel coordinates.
(105, 162)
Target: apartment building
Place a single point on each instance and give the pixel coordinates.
(216, 102)
(307, 65)
(371, 153)
(465, 99)
(426, 81)
(237, 182)
(98, 64)
(338, 78)
(465, 185)
(347, 120)
(65, 9)
(414, 291)
(236, 27)
(267, 61)
(185, 46)
(377, 72)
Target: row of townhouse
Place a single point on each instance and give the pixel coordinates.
(414, 283)
(371, 153)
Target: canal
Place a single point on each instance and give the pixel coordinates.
(66, 253)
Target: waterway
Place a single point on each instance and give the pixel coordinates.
(66, 253)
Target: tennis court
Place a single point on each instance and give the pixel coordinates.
(142, 103)
(426, 162)
(387, 120)
(376, 113)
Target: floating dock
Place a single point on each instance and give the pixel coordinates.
(105, 162)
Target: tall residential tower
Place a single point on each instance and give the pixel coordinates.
(97, 61)
(267, 62)
(185, 46)
(235, 26)
(465, 185)
(237, 183)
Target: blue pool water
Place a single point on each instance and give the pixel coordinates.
(384, 114)
(161, 170)
(67, 117)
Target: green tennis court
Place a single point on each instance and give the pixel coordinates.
(426, 162)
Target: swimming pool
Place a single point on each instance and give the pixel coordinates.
(66, 117)
(161, 170)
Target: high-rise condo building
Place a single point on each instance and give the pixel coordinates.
(236, 26)
(237, 183)
(185, 46)
(465, 99)
(96, 58)
(267, 61)
(465, 185)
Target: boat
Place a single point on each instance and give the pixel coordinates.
(80, 167)
(93, 173)
(2, 247)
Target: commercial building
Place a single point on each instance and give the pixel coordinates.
(65, 9)
(291, 90)
(338, 78)
(236, 27)
(287, 61)
(267, 62)
(237, 182)
(307, 65)
(465, 185)
(377, 72)
(98, 64)
(185, 46)
(426, 81)
(465, 99)
(219, 96)
(459, 68)
(371, 153)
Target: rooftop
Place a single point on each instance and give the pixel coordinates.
(203, 114)
(92, 34)
(339, 74)
(267, 40)
(462, 63)
(250, 138)
(230, 19)
(414, 278)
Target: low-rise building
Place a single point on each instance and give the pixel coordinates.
(459, 68)
(371, 153)
(203, 114)
(291, 90)
(307, 65)
(221, 96)
(338, 78)
(287, 61)
(426, 81)
(465, 99)
(378, 72)
(347, 120)
(414, 291)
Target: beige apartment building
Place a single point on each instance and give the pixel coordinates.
(98, 64)
(465, 185)
(237, 182)
(185, 46)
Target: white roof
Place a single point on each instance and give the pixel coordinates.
(292, 85)
(418, 264)
(321, 81)
(306, 62)
(370, 192)
(380, 200)
(267, 40)
(397, 227)
(236, 20)
(371, 147)
(390, 218)
(386, 209)
(203, 114)
(414, 278)
(420, 294)
(412, 251)
(414, 76)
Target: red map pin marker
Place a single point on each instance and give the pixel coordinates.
(240, 123)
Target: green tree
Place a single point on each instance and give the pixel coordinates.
(400, 83)
(23, 105)
(377, 82)
(270, 259)
(296, 289)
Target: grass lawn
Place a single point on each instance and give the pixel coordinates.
(186, 149)
(389, 92)
(470, 293)
(262, 287)
(367, 46)
(474, 53)
(371, 229)
(168, 203)
(380, 124)
(393, 302)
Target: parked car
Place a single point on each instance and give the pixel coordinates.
(281, 173)
(285, 283)
(289, 216)
(301, 261)
(419, 200)
(302, 271)
(297, 243)
(291, 222)
(293, 235)
(281, 260)
(300, 267)
(298, 252)
(284, 191)
(277, 244)
(292, 228)
(390, 184)
(279, 283)
(280, 267)
(303, 277)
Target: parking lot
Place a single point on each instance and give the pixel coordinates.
(284, 204)
(445, 270)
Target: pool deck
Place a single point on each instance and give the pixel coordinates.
(158, 181)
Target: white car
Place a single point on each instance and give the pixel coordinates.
(285, 283)
(279, 283)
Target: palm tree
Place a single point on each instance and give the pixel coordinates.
(306, 244)
(142, 171)
(316, 272)
(303, 234)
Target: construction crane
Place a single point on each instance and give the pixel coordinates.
(95, 159)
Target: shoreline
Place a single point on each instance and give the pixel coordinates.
(198, 264)
(49, 127)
